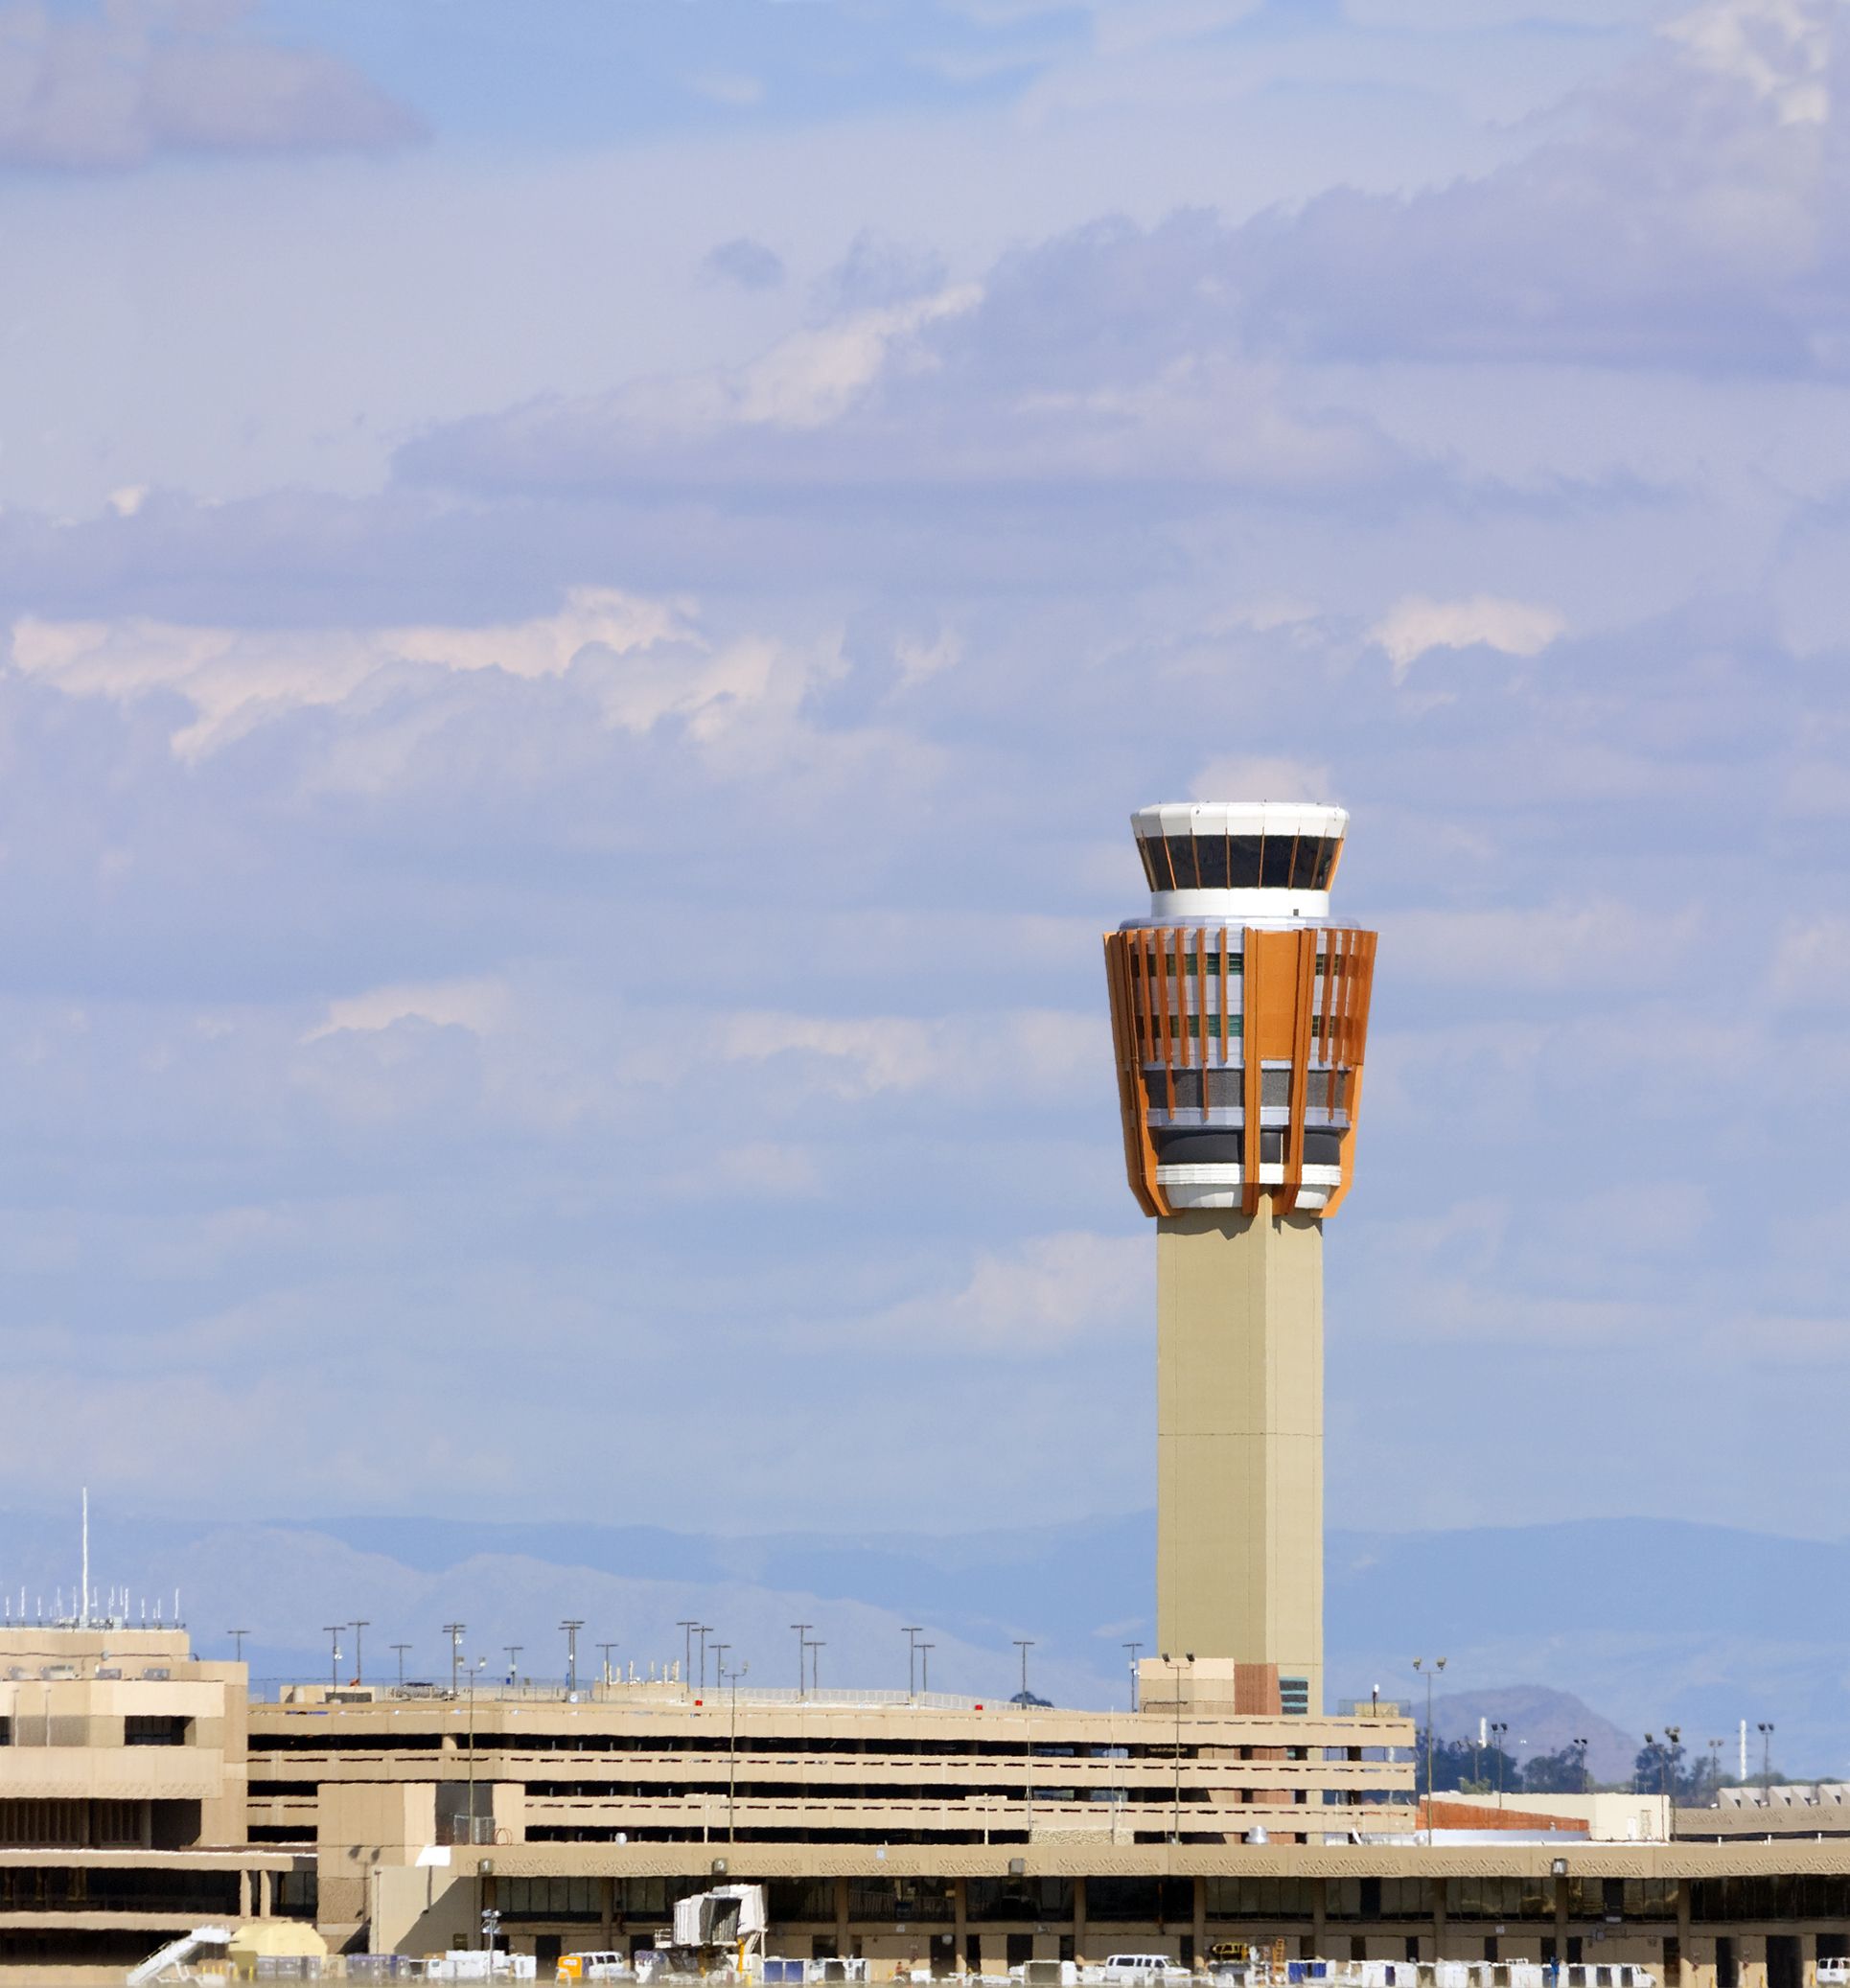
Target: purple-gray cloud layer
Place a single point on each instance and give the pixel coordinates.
(119, 85)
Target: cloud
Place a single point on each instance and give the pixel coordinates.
(1108, 356)
(1780, 49)
(1025, 1054)
(118, 86)
(1046, 1293)
(1242, 777)
(732, 88)
(1416, 625)
(639, 662)
(877, 273)
(478, 1006)
(1597, 944)
(744, 262)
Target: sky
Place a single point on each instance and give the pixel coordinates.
(585, 593)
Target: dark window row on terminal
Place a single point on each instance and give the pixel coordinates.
(820, 1832)
(70, 1824)
(1239, 862)
(320, 1739)
(1170, 1901)
(799, 1901)
(719, 1782)
(63, 1887)
(138, 1729)
(717, 1744)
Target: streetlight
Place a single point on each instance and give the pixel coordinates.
(1024, 1644)
(491, 1926)
(1586, 1784)
(688, 1624)
(331, 1629)
(1420, 1664)
(401, 1648)
(802, 1630)
(1674, 1735)
(1175, 1703)
(455, 1632)
(816, 1643)
(480, 1662)
(704, 1631)
(572, 1626)
(718, 1665)
(1133, 1648)
(237, 1644)
(925, 1667)
(733, 1752)
(1498, 1727)
(912, 1632)
(607, 1648)
(1764, 1728)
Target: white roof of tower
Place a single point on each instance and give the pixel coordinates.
(1239, 817)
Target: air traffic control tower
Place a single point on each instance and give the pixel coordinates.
(1239, 1015)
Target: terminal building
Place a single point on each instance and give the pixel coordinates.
(142, 1792)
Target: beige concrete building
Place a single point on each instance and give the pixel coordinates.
(938, 1833)
(124, 1801)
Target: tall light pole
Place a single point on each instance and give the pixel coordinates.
(704, 1631)
(237, 1644)
(1420, 1664)
(1500, 1729)
(333, 1630)
(1024, 1644)
(1133, 1648)
(1673, 1734)
(455, 1632)
(718, 1665)
(733, 1752)
(1586, 1780)
(480, 1662)
(912, 1632)
(514, 1650)
(1715, 1771)
(1175, 1706)
(401, 1648)
(925, 1667)
(1764, 1728)
(816, 1643)
(687, 1625)
(360, 1659)
(607, 1648)
(572, 1626)
(802, 1630)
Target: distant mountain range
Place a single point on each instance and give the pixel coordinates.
(1649, 1620)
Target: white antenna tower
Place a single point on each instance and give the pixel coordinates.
(84, 1590)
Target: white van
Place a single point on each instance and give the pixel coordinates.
(1141, 1969)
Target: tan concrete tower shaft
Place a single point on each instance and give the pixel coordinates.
(1239, 1443)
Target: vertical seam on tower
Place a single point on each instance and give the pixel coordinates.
(1250, 1141)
